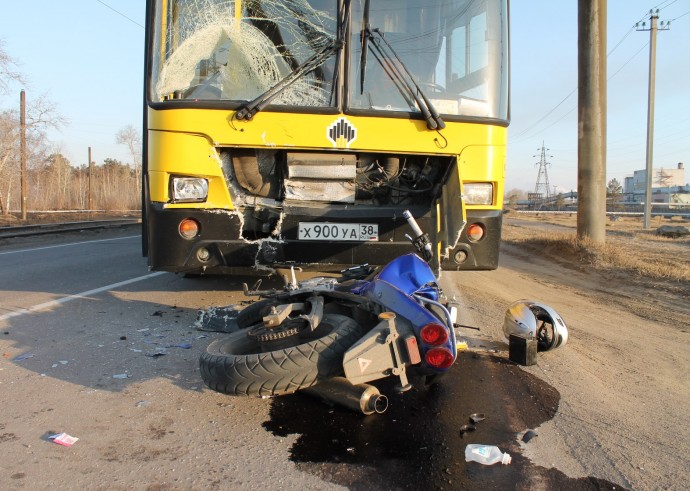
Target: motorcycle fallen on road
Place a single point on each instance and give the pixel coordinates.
(330, 337)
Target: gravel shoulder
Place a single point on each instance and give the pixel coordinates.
(623, 374)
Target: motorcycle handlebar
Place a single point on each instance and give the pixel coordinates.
(413, 223)
(421, 240)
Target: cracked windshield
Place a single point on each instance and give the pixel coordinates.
(397, 55)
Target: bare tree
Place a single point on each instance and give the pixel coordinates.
(40, 115)
(614, 191)
(8, 70)
(131, 138)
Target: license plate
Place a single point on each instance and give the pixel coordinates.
(359, 232)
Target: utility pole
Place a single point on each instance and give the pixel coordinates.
(654, 16)
(90, 182)
(22, 150)
(591, 144)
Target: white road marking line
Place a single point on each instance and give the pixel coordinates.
(70, 244)
(76, 296)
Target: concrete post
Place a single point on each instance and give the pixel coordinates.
(591, 147)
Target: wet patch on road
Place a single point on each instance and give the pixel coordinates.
(419, 439)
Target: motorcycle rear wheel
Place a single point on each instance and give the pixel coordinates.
(237, 364)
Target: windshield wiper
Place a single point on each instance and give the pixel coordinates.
(316, 60)
(405, 78)
(366, 34)
(248, 110)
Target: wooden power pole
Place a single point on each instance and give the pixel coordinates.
(90, 181)
(22, 149)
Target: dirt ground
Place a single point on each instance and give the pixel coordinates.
(623, 376)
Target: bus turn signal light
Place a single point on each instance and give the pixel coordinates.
(188, 228)
(475, 232)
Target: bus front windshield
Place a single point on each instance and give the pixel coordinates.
(396, 53)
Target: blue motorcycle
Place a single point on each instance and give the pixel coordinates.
(330, 337)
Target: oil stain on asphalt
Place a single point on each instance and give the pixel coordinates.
(418, 441)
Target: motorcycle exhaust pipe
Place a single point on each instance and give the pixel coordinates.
(338, 390)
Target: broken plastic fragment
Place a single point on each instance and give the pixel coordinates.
(181, 345)
(157, 354)
(121, 376)
(477, 417)
(24, 357)
(64, 439)
(529, 434)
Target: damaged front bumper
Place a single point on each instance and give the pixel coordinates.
(223, 247)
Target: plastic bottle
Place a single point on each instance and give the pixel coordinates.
(485, 454)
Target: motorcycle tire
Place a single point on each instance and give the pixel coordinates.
(236, 365)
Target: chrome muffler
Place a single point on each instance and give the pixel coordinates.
(363, 398)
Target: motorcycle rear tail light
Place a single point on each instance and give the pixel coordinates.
(434, 334)
(439, 358)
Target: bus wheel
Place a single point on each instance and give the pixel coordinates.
(237, 364)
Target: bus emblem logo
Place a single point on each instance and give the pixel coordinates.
(341, 133)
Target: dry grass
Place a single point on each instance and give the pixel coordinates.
(628, 247)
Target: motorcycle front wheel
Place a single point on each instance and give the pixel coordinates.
(237, 364)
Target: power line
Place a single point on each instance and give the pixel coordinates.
(120, 13)
(533, 125)
(629, 60)
(681, 15)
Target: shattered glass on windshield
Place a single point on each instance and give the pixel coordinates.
(227, 50)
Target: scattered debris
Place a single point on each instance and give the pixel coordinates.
(218, 319)
(529, 434)
(63, 439)
(456, 325)
(466, 428)
(485, 454)
(158, 313)
(157, 353)
(143, 403)
(143, 330)
(180, 345)
(121, 375)
(477, 417)
(24, 357)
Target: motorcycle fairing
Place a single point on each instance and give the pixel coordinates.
(410, 274)
(396, 300)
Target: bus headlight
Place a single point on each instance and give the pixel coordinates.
(189, 189)
(478, 193)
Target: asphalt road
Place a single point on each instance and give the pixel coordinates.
(81, 317)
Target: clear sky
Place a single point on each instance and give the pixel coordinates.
(87, 55)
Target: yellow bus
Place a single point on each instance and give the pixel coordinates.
(296, 132)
